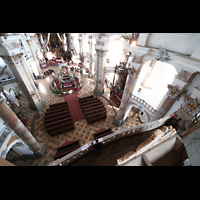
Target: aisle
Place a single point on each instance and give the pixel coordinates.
(74, 107)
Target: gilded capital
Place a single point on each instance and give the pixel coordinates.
(173, 92)
(132, 72)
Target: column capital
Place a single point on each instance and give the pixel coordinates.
(101, 52)
(173, 91)
(132, 72)
(191, 105)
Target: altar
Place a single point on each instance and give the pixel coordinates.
(67, 82)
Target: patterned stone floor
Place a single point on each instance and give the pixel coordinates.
(83, 132)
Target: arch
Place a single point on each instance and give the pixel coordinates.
(151, 84)
(146, 111)
(10, 146)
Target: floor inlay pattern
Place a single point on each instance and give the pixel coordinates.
(82, 131)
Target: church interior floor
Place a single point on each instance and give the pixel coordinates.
(82, 131)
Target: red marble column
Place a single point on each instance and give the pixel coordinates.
(9, 116)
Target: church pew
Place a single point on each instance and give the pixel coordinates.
(56, 111)
(92, 105)
(90, 102)
(61, 129)
(66, 148)
(102, 133)
(94, 111)
(97, 118)
(85, 98)
(57, 107)
(67, 145)
(57, 104)
(57, 122)
(63, 153)
(55, 130)
(92, 108)
(56, 118)
(66, 112)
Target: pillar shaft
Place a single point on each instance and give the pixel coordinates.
(90, 54)
(9, 116)
(172, 95)
(100, 66)
(164, 108)
(127, 90)
(30, 42)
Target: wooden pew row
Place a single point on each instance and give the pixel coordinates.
(56, 118)
(85, 98)
(58, 107)
(96, 114)
(66, 112)
(92, 105)
(93, 108)
(96, 117)
(90, 102)
(87, 114)
(57, 122)
(67, 126)
(56, 111)
(102, 133)
(66, 148)
(57, 104)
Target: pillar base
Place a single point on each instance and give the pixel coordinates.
(40, 77)
(90, 75)
(38, 106)
(100, 93)
(41, 151)
(118, 122)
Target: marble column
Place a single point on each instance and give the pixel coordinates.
(36, 62)
(172, 94)
(81, 49)
(90, 75)
(9, 116)
(20, 69)
(125, 97)
(100, 65)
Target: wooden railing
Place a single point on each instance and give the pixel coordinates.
(65, 160)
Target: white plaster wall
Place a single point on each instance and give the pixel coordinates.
(184, 43)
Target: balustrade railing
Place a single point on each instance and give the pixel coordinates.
(65, 160)
(142, 103)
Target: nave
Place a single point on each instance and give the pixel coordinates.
(82, 131)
